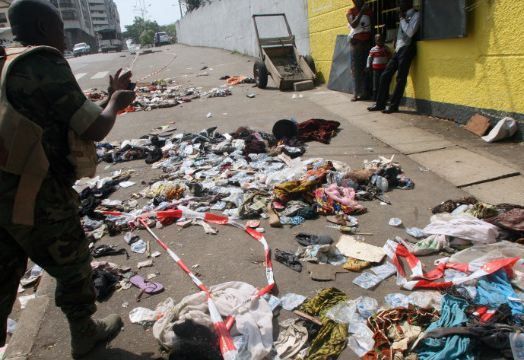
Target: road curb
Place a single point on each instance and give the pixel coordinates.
(28, 327)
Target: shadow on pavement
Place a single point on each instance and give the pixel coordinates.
(120, 354)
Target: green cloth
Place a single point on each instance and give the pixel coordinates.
(331, 340)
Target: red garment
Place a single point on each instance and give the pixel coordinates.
(380, 56)
(362, 36)
(318, 130)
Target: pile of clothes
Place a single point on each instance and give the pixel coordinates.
(249, 174)
(161, 94)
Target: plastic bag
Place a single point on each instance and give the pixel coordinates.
(505, 128)
(291, 301)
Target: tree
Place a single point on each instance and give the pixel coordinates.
(147, 37)
(195, 4)
(139, 26)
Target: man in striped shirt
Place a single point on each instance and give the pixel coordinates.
(377, 60)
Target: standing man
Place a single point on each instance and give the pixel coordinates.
(359, 20)
(47, 130)
(405, 51)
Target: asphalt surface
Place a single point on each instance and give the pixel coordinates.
(232, 255)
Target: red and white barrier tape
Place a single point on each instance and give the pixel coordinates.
(227, 346)
(400, 255)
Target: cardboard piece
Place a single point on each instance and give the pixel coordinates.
(324, 272)
(478, 125)
(351, 247)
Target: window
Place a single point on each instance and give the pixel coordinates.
(443, 19)
(3, 18)
(69, 15)
(66, 4)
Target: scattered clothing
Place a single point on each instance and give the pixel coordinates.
(305, 239)
(288, 259)
(291, 340)
(318, 130)
(458, 347)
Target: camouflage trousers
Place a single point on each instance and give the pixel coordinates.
(58, 244)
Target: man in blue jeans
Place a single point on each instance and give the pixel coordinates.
(405, 51)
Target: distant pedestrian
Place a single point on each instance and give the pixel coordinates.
(359, 19)
(378, 59)
(405, 51)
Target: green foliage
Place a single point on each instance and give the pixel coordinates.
(147, 37)
(194, 4)
(139, 27)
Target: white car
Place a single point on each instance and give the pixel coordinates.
(81, 49)
(161, 38)
(132, 47)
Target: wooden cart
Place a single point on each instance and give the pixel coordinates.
(280, 59)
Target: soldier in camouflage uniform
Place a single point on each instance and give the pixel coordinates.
(42, 88)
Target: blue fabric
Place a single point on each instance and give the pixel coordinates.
(455, 347)
(494, 290)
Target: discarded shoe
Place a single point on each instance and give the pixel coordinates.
(310, 239)
(288, 259)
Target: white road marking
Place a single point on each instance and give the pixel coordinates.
(100, 75)
(80, 75)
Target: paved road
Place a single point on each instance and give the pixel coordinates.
(231, 255)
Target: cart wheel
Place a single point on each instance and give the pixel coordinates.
(311, 63)
(260, 74)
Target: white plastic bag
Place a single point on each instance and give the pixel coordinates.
(504, 129)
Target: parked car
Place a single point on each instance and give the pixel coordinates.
(81, 49)
(68, 54)
(161, 38)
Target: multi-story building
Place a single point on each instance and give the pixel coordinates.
(106, 24)
(4, 5)
(77, 22)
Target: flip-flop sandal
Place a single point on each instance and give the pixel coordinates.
(337, 219)
(147, 287)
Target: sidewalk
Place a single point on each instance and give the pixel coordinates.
(458, 164)
(490, 172)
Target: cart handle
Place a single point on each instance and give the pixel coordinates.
(255, 16)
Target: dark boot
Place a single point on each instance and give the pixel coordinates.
(87, 333)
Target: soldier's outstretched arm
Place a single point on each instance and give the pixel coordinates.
(102, 126)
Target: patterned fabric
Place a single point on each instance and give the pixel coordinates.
(332, 337)
(42, 87)
(386, 320)
(57, 243)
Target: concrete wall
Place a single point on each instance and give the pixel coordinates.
(482, 71)
(227, 24)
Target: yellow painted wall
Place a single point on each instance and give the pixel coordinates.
(485, 69)
(327, 19)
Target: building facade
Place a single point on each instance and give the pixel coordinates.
(77, 22)
(104, 15)
(106, 24)
(477, 69)
(4, 5)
